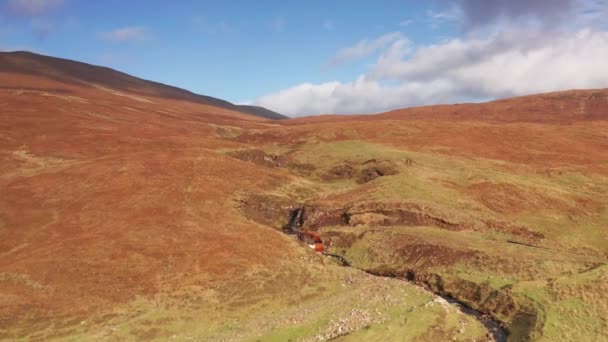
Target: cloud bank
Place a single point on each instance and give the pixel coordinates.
(514, 60)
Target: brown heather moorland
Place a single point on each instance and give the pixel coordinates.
(126, 213)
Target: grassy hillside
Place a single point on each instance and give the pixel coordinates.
(125, 215)
(514, 234)
(120, 219)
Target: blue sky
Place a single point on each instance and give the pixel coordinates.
(236, 50)
(311, 57)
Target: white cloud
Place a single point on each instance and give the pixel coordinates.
(364, 48)
(361, 96)
(506, 64)
(33, 7)
(126, 34)
(466, 69)
(294, 100)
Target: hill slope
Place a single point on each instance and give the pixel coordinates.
(68, 71)
(120, 218)
(556, 107)
(549, 108)
(129, 215)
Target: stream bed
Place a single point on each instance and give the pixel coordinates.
(495, 328)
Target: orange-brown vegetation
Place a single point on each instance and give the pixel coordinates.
(112, 194)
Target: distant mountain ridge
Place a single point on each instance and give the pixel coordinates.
(69, 71)
(555, 107)
(559, 107)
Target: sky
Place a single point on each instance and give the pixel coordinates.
(328, 57)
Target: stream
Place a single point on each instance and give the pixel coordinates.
(495, 328)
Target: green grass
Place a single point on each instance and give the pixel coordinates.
(576, 306)
(577, 296)
(299, 313)
(574, 236)
(439, 181)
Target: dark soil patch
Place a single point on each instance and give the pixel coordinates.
(424, 255)
(344, 171)
(376, 214)
(406, 214)
(269, 210)
(366, 172)
(529, 236)
(262, 158)
(149, 334)
(370, 173)
(341, 240)
(257, 157)
(302, 169)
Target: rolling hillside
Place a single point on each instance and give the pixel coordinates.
(82, 74)
(132, 210)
